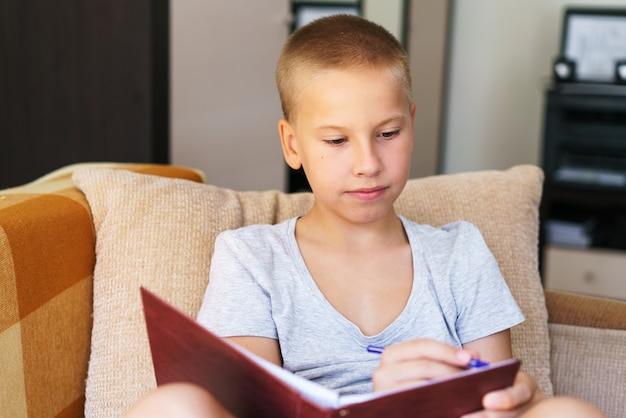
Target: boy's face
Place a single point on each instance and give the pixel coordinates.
(352, 131)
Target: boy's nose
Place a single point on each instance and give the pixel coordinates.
(366, 160)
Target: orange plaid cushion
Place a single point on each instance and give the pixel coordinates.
(46, 266)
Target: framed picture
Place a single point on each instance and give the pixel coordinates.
(595, 39)
(306, 12)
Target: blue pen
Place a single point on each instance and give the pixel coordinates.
(376, 349)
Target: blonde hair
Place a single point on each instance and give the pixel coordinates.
(339, 42)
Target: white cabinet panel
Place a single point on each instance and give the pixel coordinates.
(590, 271)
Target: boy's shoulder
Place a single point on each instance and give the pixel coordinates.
(445, 238)
(254, 231)
(456, 239)
(459, 227)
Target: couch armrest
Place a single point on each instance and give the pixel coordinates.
(588, 349)
(585, 311)
(47, 257)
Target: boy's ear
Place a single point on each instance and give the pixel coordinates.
(289, 144)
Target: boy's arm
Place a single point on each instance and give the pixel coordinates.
(266, 348)
(523, 393)
(493, 348)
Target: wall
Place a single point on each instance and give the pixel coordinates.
(500, 63)
(225, 107)
(427, 52)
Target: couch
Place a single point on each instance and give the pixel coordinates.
(76, 245)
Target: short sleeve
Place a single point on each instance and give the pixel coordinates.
(237, 301)
(484, 302)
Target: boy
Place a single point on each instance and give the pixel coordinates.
(312, 293)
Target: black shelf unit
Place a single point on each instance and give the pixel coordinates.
(584, 160)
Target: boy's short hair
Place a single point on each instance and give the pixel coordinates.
(338, 42)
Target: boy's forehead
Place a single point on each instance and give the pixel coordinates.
(314, 80)
(318, 90)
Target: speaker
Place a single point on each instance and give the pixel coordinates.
(620, 72)
(564, 69)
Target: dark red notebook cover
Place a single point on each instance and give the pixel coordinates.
(184, 351)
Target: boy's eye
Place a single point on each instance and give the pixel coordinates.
(335, 141)
(389, 134)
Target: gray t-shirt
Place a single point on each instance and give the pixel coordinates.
(260, 286)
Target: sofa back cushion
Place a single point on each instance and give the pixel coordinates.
(159, 233)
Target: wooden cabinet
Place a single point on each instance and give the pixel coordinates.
(588, 271)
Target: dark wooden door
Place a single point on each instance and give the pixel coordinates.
(82, 80)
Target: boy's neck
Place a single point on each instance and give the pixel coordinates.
(341, 233)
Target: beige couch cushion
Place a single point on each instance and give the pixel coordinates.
(159, 233)
(595, 379)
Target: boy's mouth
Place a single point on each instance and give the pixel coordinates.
(367, 194)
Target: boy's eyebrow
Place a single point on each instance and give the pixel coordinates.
(329, 128)
(400, 118)
(384, 122)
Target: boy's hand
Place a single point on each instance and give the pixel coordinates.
(512, 401)
(415, 361)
